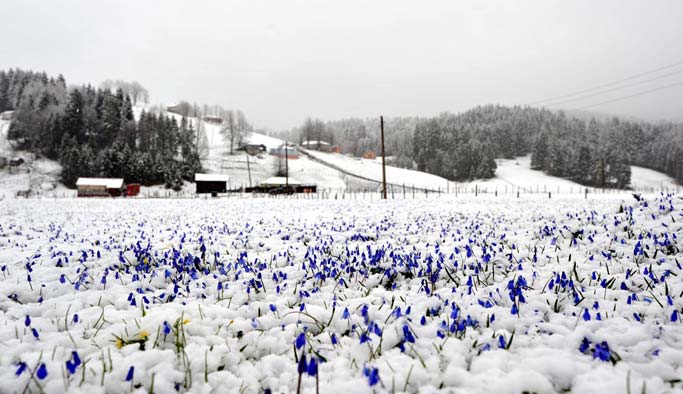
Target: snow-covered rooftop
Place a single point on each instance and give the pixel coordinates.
(109, 183)
(279, 180)
(309, 142)
(211, 178)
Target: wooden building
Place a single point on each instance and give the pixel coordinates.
(100, 187)
(211, 183)
(253, 149)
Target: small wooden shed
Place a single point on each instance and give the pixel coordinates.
(211, 183)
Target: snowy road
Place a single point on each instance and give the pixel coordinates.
(441, 295)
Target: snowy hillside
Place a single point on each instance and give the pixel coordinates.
(330, 171)
(4, 145)
(645, 178)
(37, 177)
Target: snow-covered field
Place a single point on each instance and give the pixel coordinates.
(647, 179)
(485, 295)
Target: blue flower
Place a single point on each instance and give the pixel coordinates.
(364, 337)
(130, 374)
(35, 333)
(301, 368)
(334, 339)
(300, 341)
(272, 308)
(312, 368)
(27, 321)
(674, 316)
(42, 371)
(345, 314)
(601, 351)
(586, 314)
(585, 344)
(21, 369)
(372, 374)
(408, 335)
(77, 360)
(167, 328)
(501, 342)
(71, 367)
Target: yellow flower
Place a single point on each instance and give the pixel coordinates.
(143, 334)
(186, 321)
(119, 343)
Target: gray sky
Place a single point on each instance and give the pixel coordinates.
(280, 61)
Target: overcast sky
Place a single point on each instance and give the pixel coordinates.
(281, 61)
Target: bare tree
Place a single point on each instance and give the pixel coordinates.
(133, 89)
(312, 128)
(243, 127)
(202, 140)
(229, 127)
(138, 93)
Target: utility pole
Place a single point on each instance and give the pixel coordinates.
(286, 164)
(384, 169)
(248, 167)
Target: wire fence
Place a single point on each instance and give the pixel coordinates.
(375, 193)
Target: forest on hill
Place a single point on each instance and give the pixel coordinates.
(93, 131)
(464, 146)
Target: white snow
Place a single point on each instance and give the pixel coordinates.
(211, 178)
(280, 180)
(428, 292)
(5, 150)
(262, 139)
(646, 179)
(514, 174)
(109, 183)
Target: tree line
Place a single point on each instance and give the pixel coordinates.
(463, 147)
(591, 152)
(93, 132)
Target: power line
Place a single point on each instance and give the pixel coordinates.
(607, 84)
(632, 95)
(583, 97)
